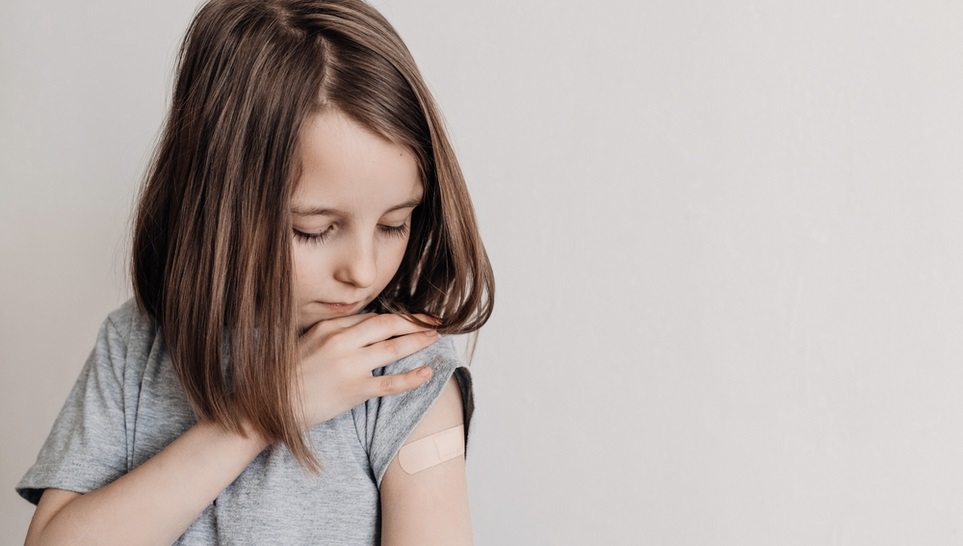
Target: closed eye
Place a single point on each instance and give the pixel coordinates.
(316, 238)
(395, 231)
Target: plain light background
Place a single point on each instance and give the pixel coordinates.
(727, 238)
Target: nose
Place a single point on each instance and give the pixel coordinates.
(358, 263)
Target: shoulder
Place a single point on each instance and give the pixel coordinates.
(445, 363)
(441, 356)
(126, 338)
(390, 420)
(128, 320)
(423, 485)
(88, 445)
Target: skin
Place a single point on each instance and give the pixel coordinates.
(431, 506)
(351, 216)
(350, 212)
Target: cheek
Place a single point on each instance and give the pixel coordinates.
(306, 271)
(390, 260)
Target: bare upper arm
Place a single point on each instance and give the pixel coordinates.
(51, 502)
(430, 506)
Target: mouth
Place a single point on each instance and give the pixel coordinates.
(340, 307)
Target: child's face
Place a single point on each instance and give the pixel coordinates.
(351, 216)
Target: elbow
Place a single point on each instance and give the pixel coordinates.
(53, 524)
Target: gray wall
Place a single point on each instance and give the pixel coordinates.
(727, 238)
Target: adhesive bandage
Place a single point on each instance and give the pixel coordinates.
(432, 450)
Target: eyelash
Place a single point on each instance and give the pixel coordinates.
(395, 231)
(316, 238)
(319, 238)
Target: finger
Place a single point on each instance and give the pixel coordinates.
(350, 320)
(383, 327)
(390, 350)
(411, 319)
(389, 384)
(427, 320)
(339, 323)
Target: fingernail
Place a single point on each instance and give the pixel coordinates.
(425, 371)
(431, 332)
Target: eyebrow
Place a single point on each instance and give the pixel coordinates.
(327, 211)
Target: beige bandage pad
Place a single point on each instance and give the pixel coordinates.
(432, 450)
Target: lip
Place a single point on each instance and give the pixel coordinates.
(340, 307)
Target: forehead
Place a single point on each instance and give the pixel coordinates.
(346, 166)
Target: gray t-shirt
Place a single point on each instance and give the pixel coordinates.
(127, 405)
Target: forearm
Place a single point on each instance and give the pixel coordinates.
(156, 502)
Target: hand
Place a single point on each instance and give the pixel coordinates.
(338, 356)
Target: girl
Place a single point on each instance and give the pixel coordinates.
(303, 234)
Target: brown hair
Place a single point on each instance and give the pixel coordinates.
(211, 261)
